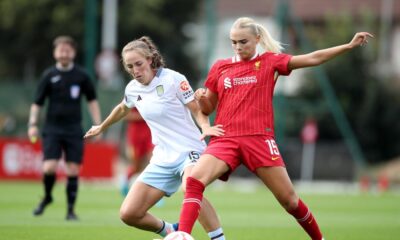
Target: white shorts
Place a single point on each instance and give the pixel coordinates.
(168, 178)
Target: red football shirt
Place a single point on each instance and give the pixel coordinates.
(245, 90)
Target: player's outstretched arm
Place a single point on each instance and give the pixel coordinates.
(320, 56)
(120, 111)
(204, 122)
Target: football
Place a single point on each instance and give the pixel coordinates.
(178, 236)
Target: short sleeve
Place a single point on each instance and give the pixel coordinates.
(128, 100)
(43, 89)
(281, 63)
(89, 89)
(184, 91)
(212, 78)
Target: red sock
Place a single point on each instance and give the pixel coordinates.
(306, 219)
(191, 204)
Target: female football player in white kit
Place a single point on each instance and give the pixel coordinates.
(165, 100)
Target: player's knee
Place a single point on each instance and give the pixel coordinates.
(130, 217)
(49, 166)
(289, 201)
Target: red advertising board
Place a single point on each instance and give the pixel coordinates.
(20, 159)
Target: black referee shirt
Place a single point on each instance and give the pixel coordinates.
(64, 90)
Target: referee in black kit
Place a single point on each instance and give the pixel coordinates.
(63, 85)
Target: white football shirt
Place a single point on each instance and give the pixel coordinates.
(162, 106)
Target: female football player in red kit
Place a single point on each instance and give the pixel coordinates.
(241, 90)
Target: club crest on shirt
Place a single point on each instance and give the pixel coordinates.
(74, 91)
(160, 90)
(257, 65)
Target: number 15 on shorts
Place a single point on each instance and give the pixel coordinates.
(273, 148)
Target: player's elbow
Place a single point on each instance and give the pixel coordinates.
(207, 108)
(207, 111)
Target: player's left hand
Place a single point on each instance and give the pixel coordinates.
(360, 39)
(216, 130)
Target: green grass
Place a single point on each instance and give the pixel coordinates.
(252, 215)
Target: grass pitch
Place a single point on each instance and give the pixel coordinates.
(247, 215)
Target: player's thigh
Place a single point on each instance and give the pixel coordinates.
(207, 169)
(164, 178)
(279, 183)
(141, 197)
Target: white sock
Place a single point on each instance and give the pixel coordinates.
(165, 229)
(217, 234)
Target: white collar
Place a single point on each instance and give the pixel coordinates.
(236, 58)
(64, 69)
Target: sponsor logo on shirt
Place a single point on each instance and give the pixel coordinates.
(227, 83)
(245, 80)
(160, 90)
(187, 91)
(184, 86)
(55, 79)
(139, 98)
(74, 91)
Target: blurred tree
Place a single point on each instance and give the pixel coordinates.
(360, 90)
(27, 29)
(162, 21)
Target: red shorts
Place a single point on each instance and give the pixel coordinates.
(139, 138)
(253, 151)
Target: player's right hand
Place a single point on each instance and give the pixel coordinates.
(93, 131)
(360, 39)
(208, 130)
(33, 133)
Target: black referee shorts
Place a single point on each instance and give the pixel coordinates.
(55, 144)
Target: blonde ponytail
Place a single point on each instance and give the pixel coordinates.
(266, 41)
